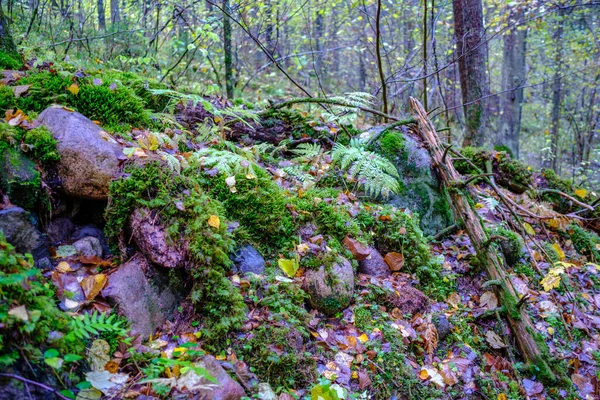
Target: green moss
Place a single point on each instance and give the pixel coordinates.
(47, 88)
(9, 62)
(19, 179)
(391, 145)
(553, 181)
(7, 98)
(258, 204)
(42, 145)
(511, 247)
(584, 241)
(271, 354)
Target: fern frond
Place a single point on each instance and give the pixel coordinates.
(86, 325)
(376, 174)
(307, 152)
(172, 161)
(225, 162)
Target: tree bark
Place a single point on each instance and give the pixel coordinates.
(115, 12)
(227, 50)
(517, 317)
(7, 43)
(101, 16)
(513, 78)
(556, 92)
(472, 52)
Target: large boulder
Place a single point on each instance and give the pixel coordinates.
(142, 294)
(421, 193)
(330, 288)
(152, 238)
(247, 259)
(89, 157)
(19, 179)
(16, 225)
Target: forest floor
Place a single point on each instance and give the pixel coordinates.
(323, 314)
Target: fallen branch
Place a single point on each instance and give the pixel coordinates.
(566, 196)
(518, 318)
(34, 383)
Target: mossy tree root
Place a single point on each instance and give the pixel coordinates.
(521, 325)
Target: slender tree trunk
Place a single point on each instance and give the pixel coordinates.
(227, 49)
(115, 12)
(472, 53)
(556, 92)
(101, 15)
(7, 44)
(380, 59)
(513, 77)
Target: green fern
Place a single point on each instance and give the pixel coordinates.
(229, 163)
(86, 325)
(346, 113)
(298, 172)
(308, 152)
(375, 173)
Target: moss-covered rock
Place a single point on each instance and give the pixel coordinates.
(19, 179)
(331, 287)
(7, 98)
(421, 191)
(511, 245)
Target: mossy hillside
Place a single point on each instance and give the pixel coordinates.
(185, 210)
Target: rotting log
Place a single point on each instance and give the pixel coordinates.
(516, 313)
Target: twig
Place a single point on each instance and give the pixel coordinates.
(40, 385)
(566, 196)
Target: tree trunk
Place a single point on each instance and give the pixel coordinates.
(115, 12)
(7, 44)
(101, 16)
(517, 317)
(513, 77)
(472, 60)
(227, 50)
(556, 92)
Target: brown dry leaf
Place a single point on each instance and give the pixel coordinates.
(358, 250)
(92, 285)
(394, 260)
(494, 340)
(20, 90)
(111, 367)
(402, 230)
(454, 299)
(429, 333)
(74, 89)
(488, 300)
(583, 383)
(363, 380)
(448, 375)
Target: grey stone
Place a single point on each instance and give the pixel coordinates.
(93, 231)
(226, 388)
(19, 231)
(374, 265)
(442, 325)
(247, 259)
(89, 157)
(152, 238)
(59, 229)
(330, 288)
(422, 192)
(141, 293)
(88, 247)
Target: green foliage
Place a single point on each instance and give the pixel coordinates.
(9, 62)
(47, 88)
(376, 174)
(273, 353)
(553, 181)
(19, 178)
(585, 242)
(41, 145)
(391, 144)
(28, 311)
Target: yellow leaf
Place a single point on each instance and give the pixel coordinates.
(74, 88)
(92, 285)
(221, 357)
(363, 338)
(424, 374)
(550, 330)
(478, 206)
(528, 229)
(19, 312)
(550, 281)
(217, 119)
(214, 221)
(288, 266)
(63, 267)
(502, 396)
(559, 252)
(354, 374)
(581, 193)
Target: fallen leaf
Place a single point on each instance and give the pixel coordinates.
(214, 221)
(559, 251)
(289, 266)
(74, 89)
(394, 260)
(64, 267)
(494, 340)
(358, 250)
(488, 300)
(19, 312)
(581, 193)
(98, 355)
(529, 229)
(363, 338)
(108, 383)
(454, 299)
(532, 387)
(20, 90)
(92, 285)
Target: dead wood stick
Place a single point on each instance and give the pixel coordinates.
(518, 318)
